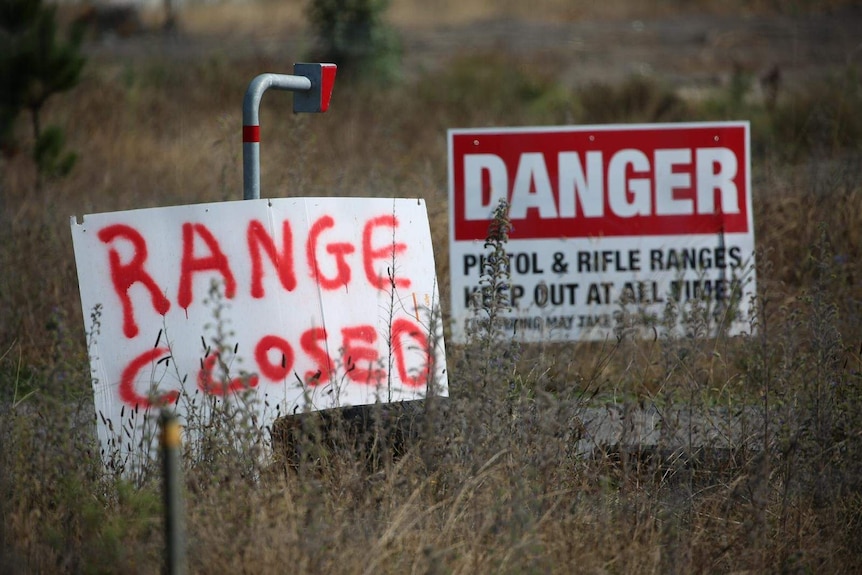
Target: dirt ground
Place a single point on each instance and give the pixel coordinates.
(690, 51)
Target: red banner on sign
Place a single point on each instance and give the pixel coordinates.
(602, 181)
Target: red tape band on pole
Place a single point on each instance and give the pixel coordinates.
(250, 134)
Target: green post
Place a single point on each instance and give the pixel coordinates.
(175, 557)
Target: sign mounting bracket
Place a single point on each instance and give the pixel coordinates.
(313, 85)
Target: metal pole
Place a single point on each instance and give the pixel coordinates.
(251, 125)
(175, 538)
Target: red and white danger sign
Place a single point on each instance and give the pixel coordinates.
(615, 227)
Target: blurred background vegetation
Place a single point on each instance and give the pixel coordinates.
(136, 109)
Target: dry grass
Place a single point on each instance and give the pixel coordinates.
(494, 484)
(266, 17)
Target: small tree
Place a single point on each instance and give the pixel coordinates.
(35, 64)
(353, 35)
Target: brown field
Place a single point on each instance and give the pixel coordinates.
(156, 121)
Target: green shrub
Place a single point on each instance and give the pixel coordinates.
(353, 35)
(495, 88)
(36, 64)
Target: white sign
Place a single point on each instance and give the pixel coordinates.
(636, 228)
(297, 303)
